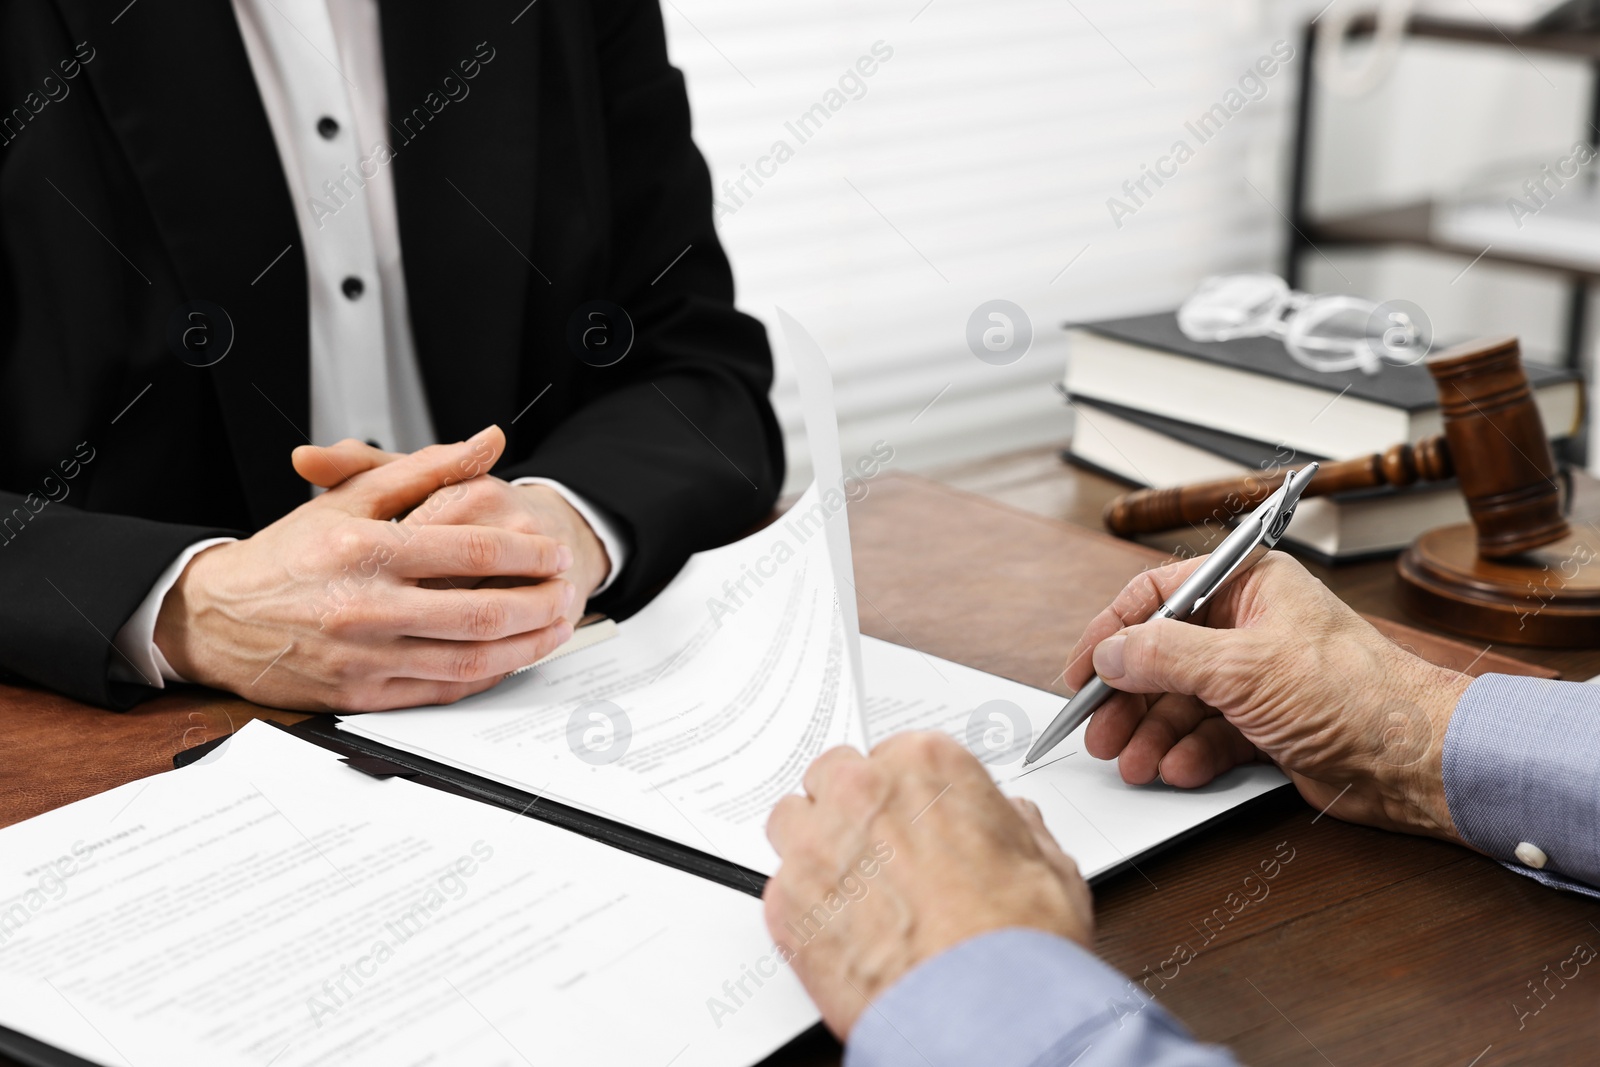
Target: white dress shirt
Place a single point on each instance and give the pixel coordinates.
(318, 65)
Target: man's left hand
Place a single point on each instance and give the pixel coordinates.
(894, 857)
(481, 501)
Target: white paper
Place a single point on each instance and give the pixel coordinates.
(273, 906)
(1099, 820)
(815, 381)
(691, 724)
(717, 696)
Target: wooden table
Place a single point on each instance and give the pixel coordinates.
(1369, 948)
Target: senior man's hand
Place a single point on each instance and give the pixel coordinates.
(890, 859)
(1275, 667)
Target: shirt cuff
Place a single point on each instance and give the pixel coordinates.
(604, 527)
(141, 662)
(1020, 997)
(1521, 758)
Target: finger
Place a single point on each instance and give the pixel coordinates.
(924, 760)
(478, 615)
(397, 487)
(779, 910)
(331, 465)
(481, 502)
(476, 661)
(825, 767)
(1169, 720)
(478, 551)
(1214, 747)
(1137, 601)
(1113, 724)
(1063, 865)
(408, 693)
(787, 821)
(1033, 818)
(1167, 656)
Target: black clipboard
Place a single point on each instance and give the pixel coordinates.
(379, 760)
(375, 758)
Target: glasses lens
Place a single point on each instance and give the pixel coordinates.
(1233, 305)
(1331, 334)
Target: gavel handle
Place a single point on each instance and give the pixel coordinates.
(1154, 510)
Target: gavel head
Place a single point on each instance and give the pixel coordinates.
(1501, 455)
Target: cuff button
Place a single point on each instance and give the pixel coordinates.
(1532, 855)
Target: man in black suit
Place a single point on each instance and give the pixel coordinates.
(202, 214)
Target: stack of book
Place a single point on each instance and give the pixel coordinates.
(1157, 409)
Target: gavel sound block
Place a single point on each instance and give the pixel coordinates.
(1517, 574)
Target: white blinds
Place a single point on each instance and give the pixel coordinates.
(967, 153)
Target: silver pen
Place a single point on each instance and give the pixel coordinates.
(1239, 551)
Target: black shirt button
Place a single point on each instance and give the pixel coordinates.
(328, 127)
(353, 287)
(374, 444)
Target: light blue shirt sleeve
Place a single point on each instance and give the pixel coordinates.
(1021, 998)
(1522, 764)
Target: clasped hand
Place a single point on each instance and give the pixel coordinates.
(414, 579)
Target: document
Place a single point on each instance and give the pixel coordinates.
(272, 906)
(695, 720)
(1100, 821)
(815, 380)
(711, 703)
(713, 700)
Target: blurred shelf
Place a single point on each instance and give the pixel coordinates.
(1584, 44)
(1412, 225)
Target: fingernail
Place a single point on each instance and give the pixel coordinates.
(563, 558)
(481, 435)
(1108, 657)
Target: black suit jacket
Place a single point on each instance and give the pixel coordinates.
(149, 179)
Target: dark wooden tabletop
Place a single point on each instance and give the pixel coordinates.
(1369, 947)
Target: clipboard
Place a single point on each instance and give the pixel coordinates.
(372, 758)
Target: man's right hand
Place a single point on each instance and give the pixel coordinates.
(1275, 667)
(326, 609)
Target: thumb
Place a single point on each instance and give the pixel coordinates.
(401, 484)
(1165, 656)
(338, 463)
(1033, 818)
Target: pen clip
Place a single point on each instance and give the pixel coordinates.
(1287, 498)
(1247, 558)
(1271, 517)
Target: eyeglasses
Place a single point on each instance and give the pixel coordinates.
(1329, 333)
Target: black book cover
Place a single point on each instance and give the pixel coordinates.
(1408, 388)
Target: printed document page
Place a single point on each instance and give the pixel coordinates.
(1100, 820)
(696, 719)
(272, 906)
(663, 781)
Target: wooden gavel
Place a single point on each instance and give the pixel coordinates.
(1494, 444)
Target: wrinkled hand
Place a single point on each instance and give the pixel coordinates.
(894, 857)
(330, 607)
(483, 501)
(1275, 667)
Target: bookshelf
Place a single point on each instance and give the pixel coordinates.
(1410, 224)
